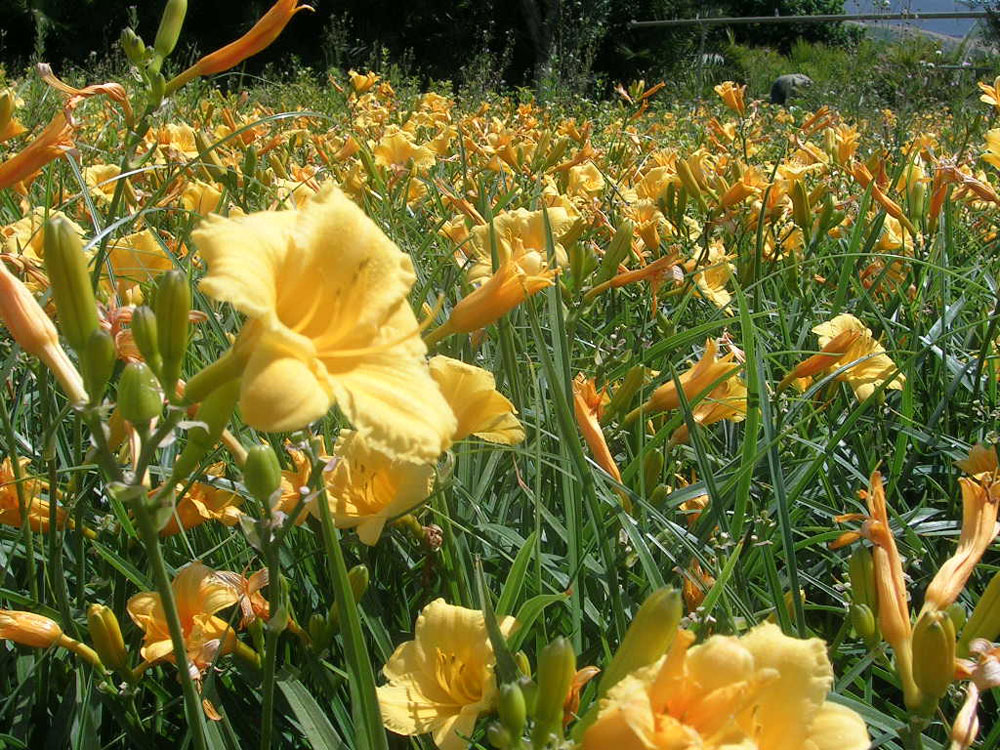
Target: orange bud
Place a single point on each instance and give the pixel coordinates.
(36, 334)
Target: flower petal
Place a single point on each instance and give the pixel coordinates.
(390, 398)
(788, 705)
(280, 392)
(837, 727)
(244, 257)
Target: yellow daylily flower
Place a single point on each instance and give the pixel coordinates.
(763, 691)
(585, 181)
(716, 272)
(441, 681)
(366, 487)
(875, 368)
(200, 197)
(521, 236)
(199, 592)
(479, 408)
(136, 259)
(37, 509)
(397, 150)
(325, 293)
(991, 93)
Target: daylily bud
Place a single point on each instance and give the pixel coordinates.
(652, 467)
(214, 412)
(687, 178)
(529, 689)
(98, 360)
(863, 620)
(318, 633)
(66, 266)
(958, 616)
(34, 331)
(139, 395)
(801, 210)
(358, 578)
(135, 48)
(106, 634)
(29, 629)
(6, 108)
(261, 472)
(649, 636)
(144, 334)
(625, 392)
(513, 713)
(985, 619)
(620, 245)
(556, 669)
(498, 736)
(523, 665)
(211, 162)
(170, 29)
(862, 575)
(933, 655)
(173, 306)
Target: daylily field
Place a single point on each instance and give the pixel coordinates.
(403, 420)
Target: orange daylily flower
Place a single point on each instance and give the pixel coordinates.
(588, 406)
(732, 96)
(694, 382)
(497, 296)
(980, 499)
(200, 592)
(827, 357)
(655, 272)
(893, 610)
(864, 178)
(261, 36)
(51, 143)
(201, 503)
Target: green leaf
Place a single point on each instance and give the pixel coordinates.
(312, 720)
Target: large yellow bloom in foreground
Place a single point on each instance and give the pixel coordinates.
(764, 691)
(325, 293)
(443, 679)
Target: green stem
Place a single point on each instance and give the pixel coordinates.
(274, 628)
(364, 700)
(151, 540)
(22, 500)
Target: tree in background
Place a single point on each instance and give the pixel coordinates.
(549, 44)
